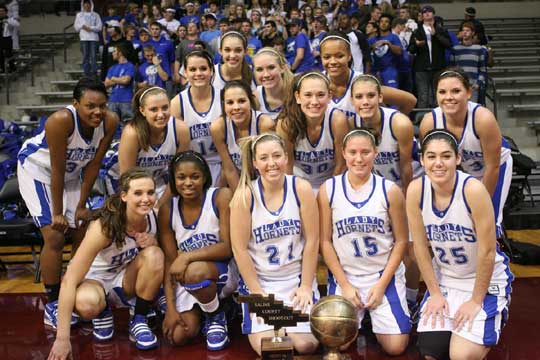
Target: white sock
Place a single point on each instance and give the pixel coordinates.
(412, 294)
(211, 306)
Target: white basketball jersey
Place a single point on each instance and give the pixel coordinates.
(264, 107)
(453, 239)
(35, 157)
(470, 149)
(218, 82)
(199, 124)
(276, 243)
(362, 232)
(156, 159)
(231, 141)
(204, 231)
(344, 103)
(316, 162)
(113, 260)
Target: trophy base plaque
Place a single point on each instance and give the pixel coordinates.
(277, 348)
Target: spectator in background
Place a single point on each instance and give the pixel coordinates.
(156, 13)
(223, 27)
(256, 22)
(132, 16)
(480, 33)
(327, 12)
(183, 48)
(298, 48)
(213, 8)
(470, 57)
(410, 26)
(211, 31)
(373, 16)
(111, 15)
(386, 49)
(190, 16)
(13, 12)
(253, 43)
(269, 33)
(405, 82)
(107, 60)
(150, 72)
(359, 45)
(169, 23)
(428, 44)
(141, 42)
(88, 25)
(164, 51)
(7, 26)
(120, 79)
(319, 30)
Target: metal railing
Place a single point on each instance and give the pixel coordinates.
(64, 33)
(492, 95)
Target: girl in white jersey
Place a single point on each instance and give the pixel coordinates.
(239, 119)
(484, 152)
(313, 131)
(198, 106)
(274, 77)
(274, 238)
(49, 172)
(465, 307)
(364, 236)
(118, 259)
(232, 48)
(336, 59)
(194, 234)
(394, 159)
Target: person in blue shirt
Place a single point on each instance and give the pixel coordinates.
(386, 50)
(298, 49)
(318, 27)
(150, 72)
(120, 80)
(132, 17)
(253, 43)
(190, 16)
(211, 31)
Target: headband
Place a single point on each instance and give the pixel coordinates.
(336, 37)
(232, 32)
(195, 154)
(148, 90)
(262, 136)
(450, 72)
(311, 73)
(356, 131)
(269, 50)
(441, 132)
(369, 76)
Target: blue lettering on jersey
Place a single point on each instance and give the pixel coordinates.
(199, 130)
(314, 156)
(365, 224)
(198, 241)
(450, 233)
(154, 161)
(276, 230)
(468, 155)
(80, 154)
(387, 157)
(123, 258)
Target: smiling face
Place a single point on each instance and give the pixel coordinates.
(268, 72)
(91, 108)
(198, 71)
(313, 97)
(189, 180)
(140, 197)
(440, 161)
(452, 95)
(335, 57)
(155, 108)
(233, 51)
(236, 104)
(359, 153)
(366, 98)
(270, 159)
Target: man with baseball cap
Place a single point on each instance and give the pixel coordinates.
(319, 28)
(169, 23)
(298, 48)
(211, 31)
(479, 31)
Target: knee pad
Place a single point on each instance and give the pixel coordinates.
(198, 286)
(435, 344)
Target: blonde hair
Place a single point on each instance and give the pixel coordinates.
(288, 76)
(248, 149)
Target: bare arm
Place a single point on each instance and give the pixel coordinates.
(491, 143)
(298, 58)
(217, 130)
(404, 132)
(175, 107)
(310, 231)
(426, 124)
(128, 149)
(266, 124)
(289, 147)
(340, 128)
(404, 100)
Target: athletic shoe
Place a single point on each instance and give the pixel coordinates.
(104, 325)
(414, 310)
(151, 317)
(162, 305)
(216, 332)
(140, 333)
(50, 315)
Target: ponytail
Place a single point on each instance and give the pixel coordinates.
(139, 121)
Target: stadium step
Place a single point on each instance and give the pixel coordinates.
(524, 107)
(55, 94)
(519, 92)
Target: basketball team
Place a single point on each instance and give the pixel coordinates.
(246, 185)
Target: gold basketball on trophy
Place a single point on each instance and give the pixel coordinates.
(334, 322)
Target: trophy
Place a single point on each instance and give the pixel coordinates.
(274, 313)
(334, 322)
